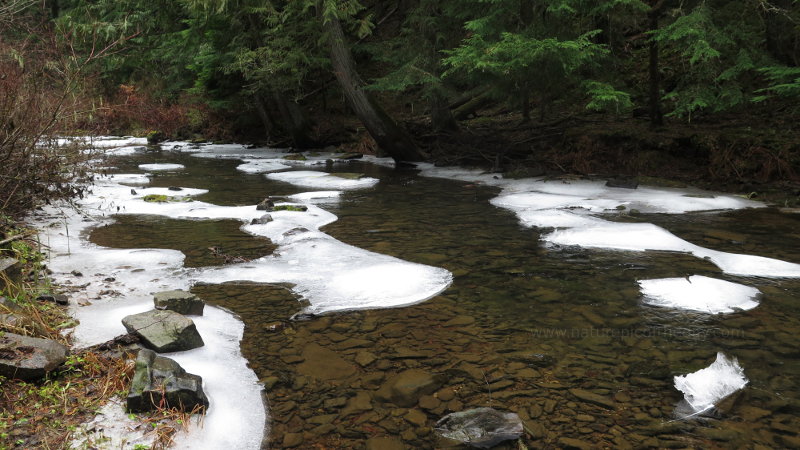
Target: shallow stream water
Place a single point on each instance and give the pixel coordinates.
(525, 326)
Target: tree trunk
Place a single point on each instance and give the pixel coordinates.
(476, 103)
(441, 117)
(656, 116)
(269, 126)
(387, 134)
(295, 120)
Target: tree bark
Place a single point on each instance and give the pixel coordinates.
(295, 120)
(441, 117)
(269, 126)
(387, 134)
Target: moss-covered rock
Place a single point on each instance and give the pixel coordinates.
(297, 208)
(161, 382)
(160, 198)
(295, 157)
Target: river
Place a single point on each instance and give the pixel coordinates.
(521, 318)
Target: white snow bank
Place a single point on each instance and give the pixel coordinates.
(706, 387)
(322, 180)
(162, 167)
(699, 293)
(115, 283)
(233, 391)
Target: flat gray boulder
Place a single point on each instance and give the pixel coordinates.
(159, 382)
(29, 358)
(164, 331)
(480, 427)
(181, 302)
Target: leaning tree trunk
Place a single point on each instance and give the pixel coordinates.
(441, 117)
(387, 134)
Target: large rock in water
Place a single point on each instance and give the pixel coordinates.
(28, 358)
(164, 331)
(405, 388)
(181, 302)
(480, 427)
(160, 382)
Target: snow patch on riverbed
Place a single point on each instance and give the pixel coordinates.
(704, 388)
(699, 293)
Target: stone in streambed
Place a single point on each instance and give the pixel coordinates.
(324, 364)
(480, 427)
(160, 382)
(181, 302)
(591, 397)
(406, 388)
(28, 358)
(265, 219)
(385, 443)
(164, 331)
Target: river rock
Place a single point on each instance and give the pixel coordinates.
(622, 182)
(265, 205)
(161, 382)
(29, 358)
(164, 331)
(266, 218)
(591, 397)
(384, 443)
(181, 302)
(480, 427)
(405, 388)
(324, 364)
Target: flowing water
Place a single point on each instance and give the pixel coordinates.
(559, 335)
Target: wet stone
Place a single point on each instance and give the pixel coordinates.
(385, 443)
(571, 443)
(324, 364)
(416, 417)
(405, 388)
(159, 379)
(591, 397)
(180, 301)
(29, 358)
(164, 331)
(292, 440)
(429, 402)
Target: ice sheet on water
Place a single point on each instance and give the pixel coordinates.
(704, 388)
(575, 208)
(261, 166)
(699, 293)
(236, 416)
(322, 180)
(644, 236)
(316, 196)
(167, 167)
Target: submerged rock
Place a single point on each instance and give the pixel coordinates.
(406, 388)
(164, 331)
(480, 427)
(180, 301)
(28, 358)
(625, 183)
(160, 382)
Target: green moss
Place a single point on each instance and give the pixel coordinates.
(298, 208)
(155, 198)
(295, 157)
(158, 198)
